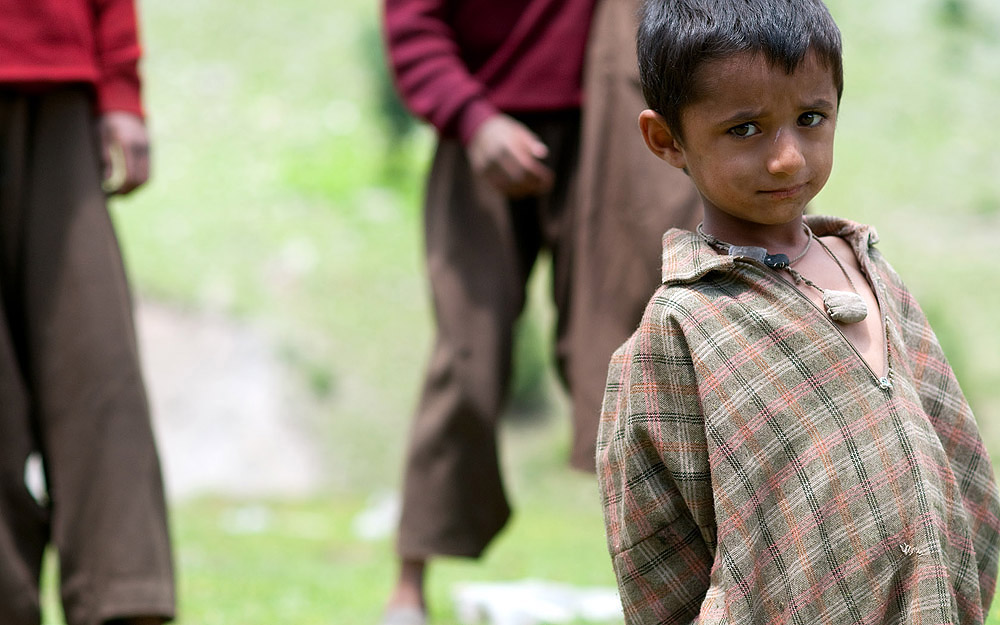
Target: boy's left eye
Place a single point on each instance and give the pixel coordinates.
(812, 119)
(744, 130)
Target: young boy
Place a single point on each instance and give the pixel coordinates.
(783, 440)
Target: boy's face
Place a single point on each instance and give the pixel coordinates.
(758, 143)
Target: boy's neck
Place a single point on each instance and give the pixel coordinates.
(787, 238)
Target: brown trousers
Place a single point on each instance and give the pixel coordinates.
(603, 225)
(70, 384)
(628, 198)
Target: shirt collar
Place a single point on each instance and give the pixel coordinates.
(688, 258)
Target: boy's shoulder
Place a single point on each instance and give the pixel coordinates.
(688, 266)
(687, 258)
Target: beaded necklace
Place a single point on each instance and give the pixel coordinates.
(841, 306)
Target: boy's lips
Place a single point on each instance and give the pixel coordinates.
(784, 192)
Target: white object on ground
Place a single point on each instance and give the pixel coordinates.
(534, 602)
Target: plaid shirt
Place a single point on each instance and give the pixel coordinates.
(754, 469)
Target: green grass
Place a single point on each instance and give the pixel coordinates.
(302, 564)
(252, 562)
(279, 197)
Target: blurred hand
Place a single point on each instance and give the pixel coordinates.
(508, 155)
(124, 151)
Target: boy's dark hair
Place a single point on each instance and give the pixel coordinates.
(676, 37)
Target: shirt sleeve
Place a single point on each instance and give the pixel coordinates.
(654, 475)
(943, 401)
(428, 70)
(117, 56)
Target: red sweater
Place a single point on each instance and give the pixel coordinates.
(62, 41)
(458, 62)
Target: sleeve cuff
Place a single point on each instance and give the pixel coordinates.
(120, 93)
(473, 117)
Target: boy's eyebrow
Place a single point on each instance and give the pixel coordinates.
(742, 116)
(821, 103)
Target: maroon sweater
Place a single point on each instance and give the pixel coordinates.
(65, 41)
(458, 62)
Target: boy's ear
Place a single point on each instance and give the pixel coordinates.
(660, 139)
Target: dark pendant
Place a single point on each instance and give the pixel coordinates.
(777, 261)
(759, 254)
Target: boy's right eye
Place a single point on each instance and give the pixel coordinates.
(744, 130)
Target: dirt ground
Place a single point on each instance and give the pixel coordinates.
(226, 411)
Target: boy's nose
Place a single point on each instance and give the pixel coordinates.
(786, 154)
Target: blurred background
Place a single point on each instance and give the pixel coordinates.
(284, 316)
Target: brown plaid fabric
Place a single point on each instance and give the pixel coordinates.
(755, 470)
